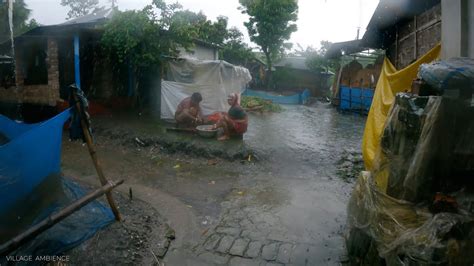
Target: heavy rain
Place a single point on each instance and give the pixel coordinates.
(285, 132)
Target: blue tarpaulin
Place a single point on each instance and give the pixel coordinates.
(355, 99)
(31, 189)
(32, 153)
(70, 232)
(300, 98)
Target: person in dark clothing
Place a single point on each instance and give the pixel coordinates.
(235, 121)
(188, 113)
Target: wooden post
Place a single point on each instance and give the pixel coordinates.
(55, 218)
(93, 154)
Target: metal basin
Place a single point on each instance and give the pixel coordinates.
(206, 131)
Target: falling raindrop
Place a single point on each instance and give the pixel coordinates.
(10, 22)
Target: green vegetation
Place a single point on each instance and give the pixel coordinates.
(270, 25)
(233, 48)
(316, 58)
(160, 29)
(79, 8)
(259, 104)
(144, 36)
(20, 19)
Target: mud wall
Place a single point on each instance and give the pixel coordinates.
(43, 94)
(415, 37)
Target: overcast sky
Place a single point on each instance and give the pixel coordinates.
(333, 20)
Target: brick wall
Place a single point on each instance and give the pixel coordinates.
(44, 94)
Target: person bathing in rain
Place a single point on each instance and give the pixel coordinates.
(235, 121)
(188, 113)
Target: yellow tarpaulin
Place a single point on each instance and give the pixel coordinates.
(389, 84)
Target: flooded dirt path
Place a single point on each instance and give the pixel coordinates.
(288, 207)
(292, 209)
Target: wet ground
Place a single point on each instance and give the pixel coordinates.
(288, 207)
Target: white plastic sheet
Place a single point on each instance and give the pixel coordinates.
(215, 80)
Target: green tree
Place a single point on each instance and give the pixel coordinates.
(206, 30)
(80, 8)
(20, 19)
(235, 50)
(270, 24)
(146, 35)
(144, 38)
(215, 32)
(316, 58)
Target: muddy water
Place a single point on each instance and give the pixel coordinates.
(309, 137)
(291, 195)
(296, 186)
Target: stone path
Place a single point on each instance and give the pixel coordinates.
(254, 236)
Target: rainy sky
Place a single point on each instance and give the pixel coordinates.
(333, 20)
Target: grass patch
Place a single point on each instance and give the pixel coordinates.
(259, 104)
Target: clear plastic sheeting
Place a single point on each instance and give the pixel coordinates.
(426, 147)
(215, 80)
(451, 74)
(404, 168)
(385, 230)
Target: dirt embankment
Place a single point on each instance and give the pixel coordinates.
(147, 134)
(141, 238)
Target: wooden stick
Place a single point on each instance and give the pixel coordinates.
(176, 129)
(53, 219)
(93, 155)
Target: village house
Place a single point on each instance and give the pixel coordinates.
(50, 58)
(404, 31)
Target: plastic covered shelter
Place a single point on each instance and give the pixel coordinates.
(215, 80)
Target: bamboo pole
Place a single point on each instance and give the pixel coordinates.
(95, 161)
(55, 218)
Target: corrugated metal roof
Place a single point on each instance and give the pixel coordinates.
(293, 62)
(337, 49)
(97, 16)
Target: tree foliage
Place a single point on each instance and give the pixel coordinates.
(142, 39)
(20, 19)
(206, 30)
(80, 8)
(270, 25)
(316, 58)
(144, 36)
(233, 49)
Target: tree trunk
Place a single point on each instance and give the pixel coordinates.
(268, 77)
